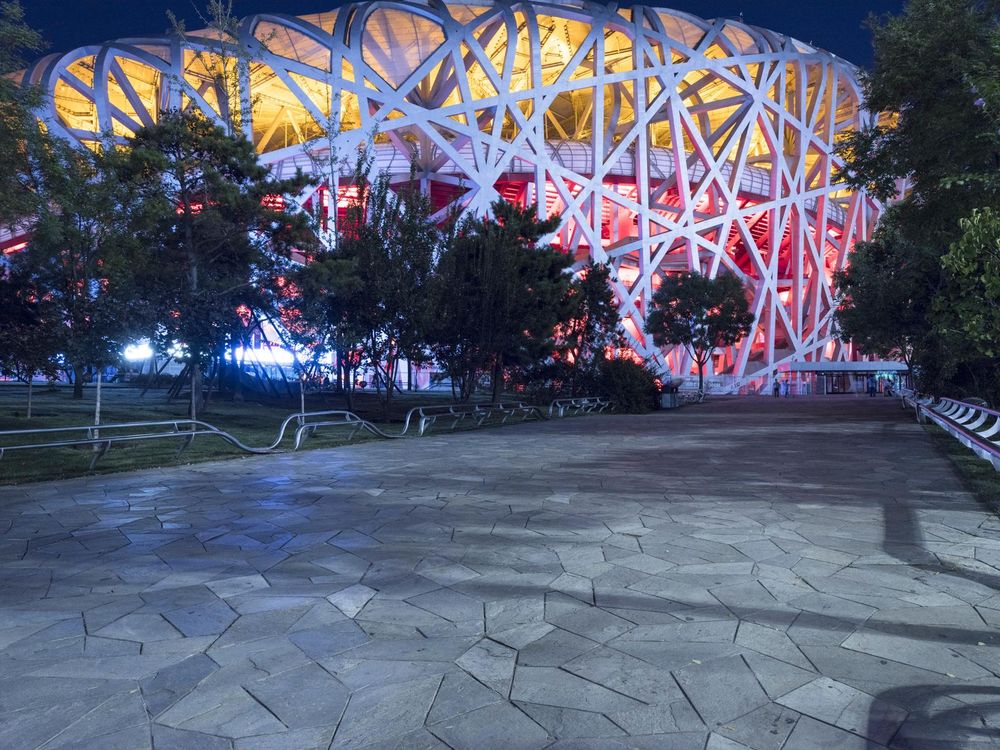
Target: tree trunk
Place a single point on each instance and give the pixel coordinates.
(195, 388)
(497, 382)
(701, 376)
(30, 381)
(97, 403)
(77, 382)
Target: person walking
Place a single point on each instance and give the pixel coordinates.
(776, 390)
(786, 388)
(872, 386)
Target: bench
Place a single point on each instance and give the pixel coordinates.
(102, 437)
(572, 407)
(972, 423)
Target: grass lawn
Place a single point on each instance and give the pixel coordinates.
(253, 423)
(978, 476)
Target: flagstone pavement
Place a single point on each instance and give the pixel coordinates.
(757, 574)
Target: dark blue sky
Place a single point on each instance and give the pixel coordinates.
(835, 26)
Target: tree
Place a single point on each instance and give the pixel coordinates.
(925, 63)
(391, 242)
(593, 324)
(18, 128)
(700, 314)
(217, 229)
(28, 334)
(318, 309)
(935, 78)
(884, 304)
(498, 297)
(974, 264)
(79, 259)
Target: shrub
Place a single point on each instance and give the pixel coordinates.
(633, 386)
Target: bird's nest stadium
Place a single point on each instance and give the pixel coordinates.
(665, 142)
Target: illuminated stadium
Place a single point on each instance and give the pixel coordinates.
(664, 142)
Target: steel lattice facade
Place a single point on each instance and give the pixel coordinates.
(665, 142)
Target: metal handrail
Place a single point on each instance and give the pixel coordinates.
(349, 417)
(306, 423)
(966, 422)
(579, 405)
(429, 414)
(93, 437)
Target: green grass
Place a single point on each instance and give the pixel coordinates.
(253, 423)
(978, 476)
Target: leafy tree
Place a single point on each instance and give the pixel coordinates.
(391, 242)
(974, 263)
(78, 259)
(498, 297)
(935, 73)
(592, 326)
(700, 314)
(29, 344)
(217, 230)
(18, 129)
(318, 312)
(884, 306)
(925, 63)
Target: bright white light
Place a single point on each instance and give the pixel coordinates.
(271, 355)
(138, 352)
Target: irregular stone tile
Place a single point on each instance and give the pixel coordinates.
(451, 605)
(554, 649)
(168, 685)
(554, 687)
(576, 586)
(721, 689)
(625, 674)
(168, 738)
(847, 708)
(498, 725)
(228, 587)
(809, 733)
(141, 628)
(460, 694)
(491, 663)
(228, 712)
(414, 649)
(118, 722)
(710, 631)
(663, 718)
(351, 600)
(108, 667)
(381, 712)
(772, 643)
(306, 696)
(202, 619)
(766, 728)
(930, 656)
(358, 673)
(589, 622)
(419, 739)
(318, 643)
(565, 723)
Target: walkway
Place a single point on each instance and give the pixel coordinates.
(799, 574)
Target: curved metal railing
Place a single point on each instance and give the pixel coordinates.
(102, 437)
(563, 407)
(974, 425)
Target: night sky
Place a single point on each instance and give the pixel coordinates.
(835, 26)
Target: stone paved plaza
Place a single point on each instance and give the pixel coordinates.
(746, 574)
